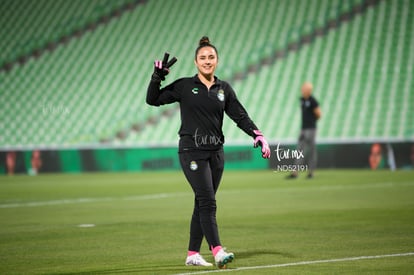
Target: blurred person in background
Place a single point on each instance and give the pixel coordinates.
(11, 162)
(375, 158)
(203, 101)
(36, 162)
(412, 155)
(311, 112)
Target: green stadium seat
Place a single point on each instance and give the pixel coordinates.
(101, 77)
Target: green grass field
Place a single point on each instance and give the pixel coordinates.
(142, 221)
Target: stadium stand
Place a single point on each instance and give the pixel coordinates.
(90, 90)
(29, 26)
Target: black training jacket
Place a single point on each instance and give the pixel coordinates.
(202, 111)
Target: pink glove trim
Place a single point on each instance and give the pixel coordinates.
(158, 65)
(257, 133)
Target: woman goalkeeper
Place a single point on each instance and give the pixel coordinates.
(203, 100)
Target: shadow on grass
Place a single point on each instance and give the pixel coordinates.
(257, 252)
(150, 269)
(179, 267)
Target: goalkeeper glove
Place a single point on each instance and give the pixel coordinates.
(261, 141)
(162, 68)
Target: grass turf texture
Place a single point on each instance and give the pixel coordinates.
(142, 222)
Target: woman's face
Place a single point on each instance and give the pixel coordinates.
(206, 61)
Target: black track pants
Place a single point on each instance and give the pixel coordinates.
(203, 170)
(307, 143)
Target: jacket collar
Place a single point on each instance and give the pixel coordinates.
(217, 81)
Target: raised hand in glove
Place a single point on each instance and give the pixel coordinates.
(162, 68)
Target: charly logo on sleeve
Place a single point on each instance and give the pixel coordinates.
(193, 165)
(220, 95)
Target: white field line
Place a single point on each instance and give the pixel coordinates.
(172, 195)
(89, 200)
(302, 263)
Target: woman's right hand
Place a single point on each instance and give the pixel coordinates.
(162, 68)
